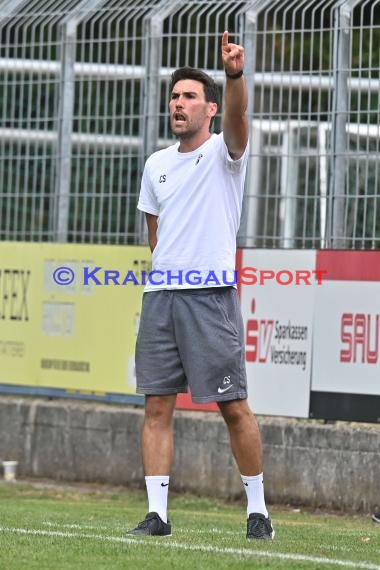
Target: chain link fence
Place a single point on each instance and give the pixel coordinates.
(83, 102)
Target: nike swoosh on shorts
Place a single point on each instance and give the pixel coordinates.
(222, 390)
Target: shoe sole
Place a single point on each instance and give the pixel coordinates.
(375, 519)
(149, 535)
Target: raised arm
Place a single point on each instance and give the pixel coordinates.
(234, 120)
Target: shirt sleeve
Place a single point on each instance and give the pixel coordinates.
(147, 200)
(234, 166)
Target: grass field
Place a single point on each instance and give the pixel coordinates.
(75, 527)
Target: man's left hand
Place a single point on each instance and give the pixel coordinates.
(232, 56)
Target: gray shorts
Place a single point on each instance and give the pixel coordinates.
(192, 338)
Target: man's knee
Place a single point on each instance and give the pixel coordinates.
(235, 412)
(159, 410)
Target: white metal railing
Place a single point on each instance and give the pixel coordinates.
(82, 103)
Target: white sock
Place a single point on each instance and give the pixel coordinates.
(254, 487)
(157, 487)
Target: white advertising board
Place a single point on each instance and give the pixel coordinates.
(278, 321)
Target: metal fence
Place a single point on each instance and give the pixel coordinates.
(83, 101)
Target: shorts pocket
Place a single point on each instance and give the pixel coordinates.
(227, 310)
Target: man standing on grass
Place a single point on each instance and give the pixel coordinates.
(191, 331)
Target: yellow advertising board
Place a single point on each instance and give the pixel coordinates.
(69, 315)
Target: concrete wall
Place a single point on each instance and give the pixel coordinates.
(329, 466)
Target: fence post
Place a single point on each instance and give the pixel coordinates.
(65, 117)
(252, 205)
(65, 125)
(152, 88)
(342, 49)
(249, 218)
(153, 53)
(289, 184)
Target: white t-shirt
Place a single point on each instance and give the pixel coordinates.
(197, 197)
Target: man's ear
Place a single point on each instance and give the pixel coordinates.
(213, 109)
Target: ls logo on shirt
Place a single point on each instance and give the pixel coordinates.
(162, 178)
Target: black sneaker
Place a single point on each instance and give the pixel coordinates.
(259, 526)
(376, 517)
(152, 525)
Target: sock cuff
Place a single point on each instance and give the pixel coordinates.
(252, 478)
(158, 478)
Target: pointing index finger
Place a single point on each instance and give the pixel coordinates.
(225, 38)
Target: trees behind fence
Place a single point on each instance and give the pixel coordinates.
(83, 101)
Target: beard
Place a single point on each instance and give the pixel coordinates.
(185, 131)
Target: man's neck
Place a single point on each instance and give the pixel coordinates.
(191, 144)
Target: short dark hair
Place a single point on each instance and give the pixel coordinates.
(210, 88)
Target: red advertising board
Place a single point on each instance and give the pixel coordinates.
(346, 341)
